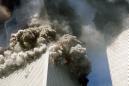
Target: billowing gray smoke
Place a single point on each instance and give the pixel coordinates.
(77, 16)
(96, 22)
(105, 16)
(70, 16)
(63, 16)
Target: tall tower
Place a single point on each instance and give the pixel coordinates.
(118, 57)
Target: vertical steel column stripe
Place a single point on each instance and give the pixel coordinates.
(118, 56)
